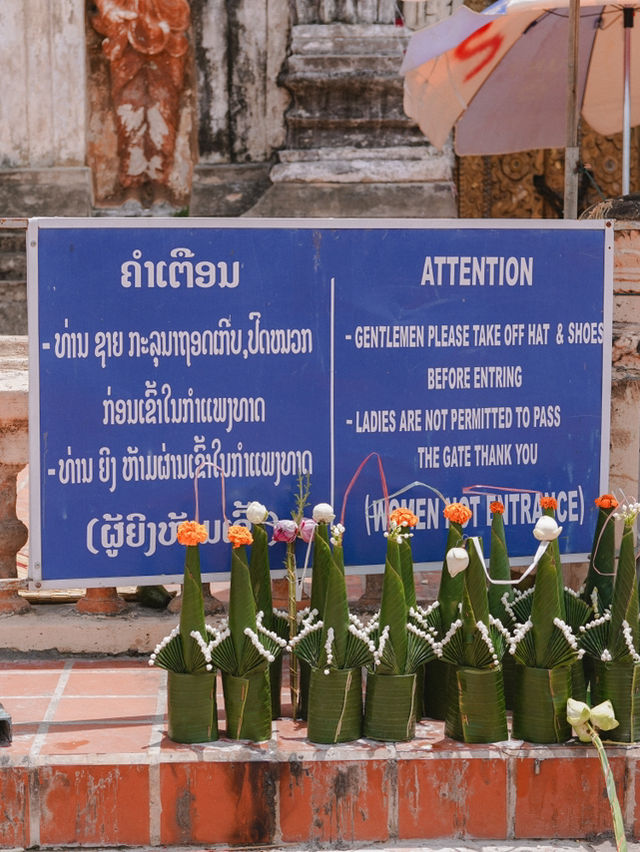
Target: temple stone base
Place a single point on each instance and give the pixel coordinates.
(57, 191)
(402, 181)
(228, 189)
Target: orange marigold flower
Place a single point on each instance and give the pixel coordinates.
(606, 501)
(239, 535)
(403, 517)
(191, 533)
(457, 512)
(549, 503)
(496, 507)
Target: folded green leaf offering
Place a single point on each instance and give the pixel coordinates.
(403, 638)
(545, 648)
(335, 647)
(612, 640)
(191, 685)
(474, 646)
(243, 649)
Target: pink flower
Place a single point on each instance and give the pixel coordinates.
(307, 529)
(285, 531)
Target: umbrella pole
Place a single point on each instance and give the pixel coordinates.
(626, 131)
(572, 150)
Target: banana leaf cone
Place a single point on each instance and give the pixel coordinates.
(408, 580)
(191, 705)
(247, 702)
(320, 570)
(541, 694)
(406, 572)
(476, 710)
(547, 604)
(390, 707)
(247, 689)
(335, 705)
(624, 603)
(450, 591)
(260, 572)
(601, 569)
(242, 607)
(554, 548)
(540, 704)
(393, 606)
(437, 673)
(192, 609)
(335, 690)
(500, 569)
(319, 579)
(390, 703)
(619, 681)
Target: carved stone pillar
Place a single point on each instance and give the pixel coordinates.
(13, 457)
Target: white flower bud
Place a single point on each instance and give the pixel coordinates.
(323, 513)
(603, 716)
(457, 560)
(577, 712)
(546, 529)
(256, 512)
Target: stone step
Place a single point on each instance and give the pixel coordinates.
(304, 131)
(352, 165)
(346, 87)
(349, 39)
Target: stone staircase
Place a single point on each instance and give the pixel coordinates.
(350, 149)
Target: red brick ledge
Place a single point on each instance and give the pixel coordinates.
(238, 795)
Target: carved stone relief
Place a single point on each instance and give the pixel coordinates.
(530, 184)
(141, 100)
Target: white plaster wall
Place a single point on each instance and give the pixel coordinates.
(42, 107)
(215, 75)
(243, 47)
(258, 111)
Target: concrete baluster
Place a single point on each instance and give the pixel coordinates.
(14, 455)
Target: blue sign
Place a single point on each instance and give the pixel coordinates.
(471, 359)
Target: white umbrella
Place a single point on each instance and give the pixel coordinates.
(500, 75)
